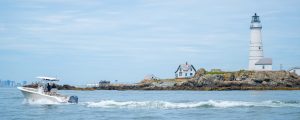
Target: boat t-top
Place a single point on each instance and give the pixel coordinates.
(47, 90)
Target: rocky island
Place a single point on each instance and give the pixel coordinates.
(204, 80)
(239, 80)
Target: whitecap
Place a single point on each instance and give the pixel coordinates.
(184, 105)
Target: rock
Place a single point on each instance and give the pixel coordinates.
(200, 72)
(229, 76)
(244, 79)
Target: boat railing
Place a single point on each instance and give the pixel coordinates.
(30, 89)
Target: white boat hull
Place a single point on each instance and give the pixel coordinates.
(34, 95)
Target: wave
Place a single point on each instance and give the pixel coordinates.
(178, 105)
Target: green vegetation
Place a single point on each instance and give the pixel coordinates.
(214, 73)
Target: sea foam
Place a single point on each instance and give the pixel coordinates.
(178, 105)
(39, 102)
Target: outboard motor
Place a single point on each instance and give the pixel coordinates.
(73, 99)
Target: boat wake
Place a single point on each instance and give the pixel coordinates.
(40, 102)
(179, 105)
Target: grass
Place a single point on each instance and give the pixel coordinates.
(214, 73)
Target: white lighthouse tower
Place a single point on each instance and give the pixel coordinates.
(256, 48)
(256, 56)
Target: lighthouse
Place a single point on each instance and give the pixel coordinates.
(256, 56)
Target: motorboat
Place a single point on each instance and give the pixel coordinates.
(46, 90)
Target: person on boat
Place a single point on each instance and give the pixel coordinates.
(53, 86)
(48, 87)
(53, 89)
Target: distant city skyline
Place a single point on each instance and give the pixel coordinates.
(12, 83)
(85, 41)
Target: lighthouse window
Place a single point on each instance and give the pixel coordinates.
(259, 47)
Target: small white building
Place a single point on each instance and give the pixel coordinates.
(150, 77)
(264, 64)
(295, 70)
(185, 71)
(92, 85)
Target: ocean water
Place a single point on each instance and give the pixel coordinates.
(156, 105)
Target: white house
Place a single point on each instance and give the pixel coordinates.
(295, 70)
(264, 64)
(185, 71)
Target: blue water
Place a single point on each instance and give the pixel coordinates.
(153, 105)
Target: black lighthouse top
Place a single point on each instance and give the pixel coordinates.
(255, 18)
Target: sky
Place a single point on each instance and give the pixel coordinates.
(85, 41)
